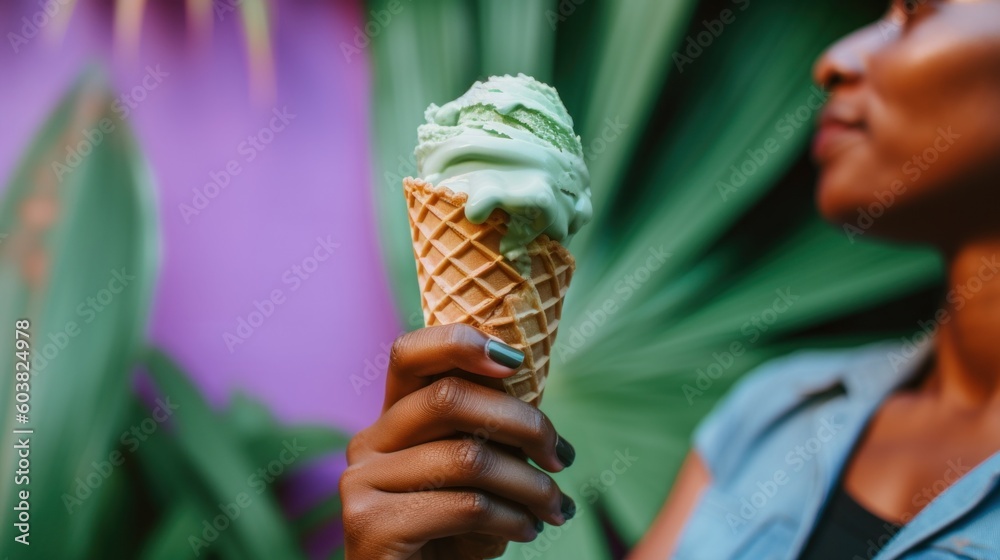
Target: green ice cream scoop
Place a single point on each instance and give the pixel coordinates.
(509, 143)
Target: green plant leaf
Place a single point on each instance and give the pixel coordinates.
(79, 261)
(170, 538)
(318, 516)
(263, 437)
(229, 473)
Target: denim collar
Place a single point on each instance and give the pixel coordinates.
(871, 375)
(866, 379)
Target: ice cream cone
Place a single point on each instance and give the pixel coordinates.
(464, 278)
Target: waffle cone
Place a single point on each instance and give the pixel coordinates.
(465, 279)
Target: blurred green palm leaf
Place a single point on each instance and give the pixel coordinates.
(79, 260)
(225, 470)
(212, 467)
(661, 132)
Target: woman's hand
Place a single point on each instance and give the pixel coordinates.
(447, 456)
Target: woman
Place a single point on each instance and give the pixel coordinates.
(887, 451)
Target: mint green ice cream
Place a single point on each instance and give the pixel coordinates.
(509, 143)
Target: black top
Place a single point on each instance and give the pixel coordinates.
(848, 531)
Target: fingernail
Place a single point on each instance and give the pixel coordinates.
(565, 452)
(504, 354)
(539, 526)
(568, 507)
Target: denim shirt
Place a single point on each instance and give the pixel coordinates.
(775, 448)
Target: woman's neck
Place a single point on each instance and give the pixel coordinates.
(966, 373)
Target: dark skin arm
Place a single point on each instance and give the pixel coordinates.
(663, 535)
(446, 457)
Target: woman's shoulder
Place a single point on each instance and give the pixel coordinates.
(774, 393)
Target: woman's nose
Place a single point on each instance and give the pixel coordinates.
(846, 60)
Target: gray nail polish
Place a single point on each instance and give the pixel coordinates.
(568, 507)
(565, 452)
(504, 354)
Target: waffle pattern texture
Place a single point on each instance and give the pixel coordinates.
(465, 279)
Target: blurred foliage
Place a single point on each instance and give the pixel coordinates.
(115, 473)
(663, 119)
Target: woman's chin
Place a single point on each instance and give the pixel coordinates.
(861, 215)
(835, 201)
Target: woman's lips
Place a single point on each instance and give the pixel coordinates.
(834, 136)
